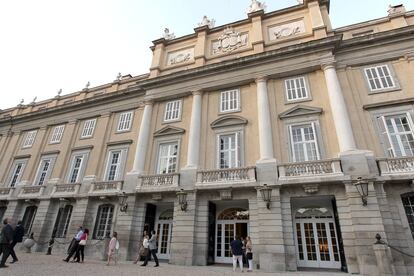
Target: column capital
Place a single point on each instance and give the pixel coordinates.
(148, 102)
(261, 79)
(197, 92)
(328, 64)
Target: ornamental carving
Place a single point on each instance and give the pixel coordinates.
(286, 30)
(229, 41)
(180, 56)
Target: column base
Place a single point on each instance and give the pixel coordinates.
(266, 170)
(359, 163)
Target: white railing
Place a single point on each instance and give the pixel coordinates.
(159, 180)
(310, 168)
(246, 174)
(66, 189)
(31, 191)
(396, 165)
(106, 187)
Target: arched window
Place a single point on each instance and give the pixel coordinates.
(408, 203)
(234, 214)
(28, 219)
(313, 212)
(62, 221)
(103, 224)
(166, 215)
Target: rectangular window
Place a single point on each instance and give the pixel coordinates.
(304, 142)
(229, 100)
(28, 218)
(172, 110)
(229, 150)
(379, 77)
(103, 225)
(167, 157)
(57, 134)
(398, 134)
(124, 122)
(44, 170)
(17, 173)
(76, 167)
(408, 203)
(114, 165)
(88, 128)
(29, 139)
(62, 221)
(296, 89)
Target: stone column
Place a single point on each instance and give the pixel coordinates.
(264, 120)
(193, 151)
(143, 136)
(339, 111)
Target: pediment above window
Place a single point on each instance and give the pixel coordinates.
(229, 120)
(300, 110)
(168, 130)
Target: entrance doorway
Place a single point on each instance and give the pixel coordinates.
(164, 232)
(231, 223)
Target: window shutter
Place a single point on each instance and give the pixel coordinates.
(238, 149)
(315, 135)
(292, 148)
(385, 138)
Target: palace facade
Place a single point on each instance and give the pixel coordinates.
(276, 127)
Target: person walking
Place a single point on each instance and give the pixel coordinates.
(152, 246)
(146, 253)
(237, 251)
(74, 244)
(17, 238)
(81, 247)
(249, 253)
(7, 234)
(142, 250)
(113, 246)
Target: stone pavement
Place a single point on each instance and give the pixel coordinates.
(36, 264)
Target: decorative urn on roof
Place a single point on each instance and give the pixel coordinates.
(256, 6)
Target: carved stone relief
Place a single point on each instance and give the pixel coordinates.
(180, 56)
(286, 30)
(229, 41)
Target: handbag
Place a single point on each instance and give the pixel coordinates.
(249, 256)
(82, 242)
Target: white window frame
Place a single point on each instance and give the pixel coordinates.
(159, 158)
(238, 134)
(119, 173)
(57, 134)
(173, 111)
(29, 139)
(292, 83)
(108, 225)
(51, 159)
(391, 150)
(62, 222)
(84, 155)
(125, 121)
(316, 141)
(225, 102)
(88, 128)
(378, 81)
(13, 172)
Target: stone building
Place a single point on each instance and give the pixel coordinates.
(276, 126)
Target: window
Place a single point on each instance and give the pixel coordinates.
(124, 122)
(408, 203)
(397, 131)
(229, 150)
(62, 221)
(167, 157)
(17, 172)
(28, 218)
(229, 100)
(74, 174)
(103, 224)
(379, 78)
(88, 128)
(172, 111)
(296, 89)
(115, 164)
(44, 170)
(2, 212)
(57, 134)
(29, 139)
(304, 142)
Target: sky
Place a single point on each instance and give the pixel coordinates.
(47, 45)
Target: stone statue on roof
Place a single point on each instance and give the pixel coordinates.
(207, 22)
(167, 35)
(256, 6)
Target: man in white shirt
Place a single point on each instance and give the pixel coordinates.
(74, 244)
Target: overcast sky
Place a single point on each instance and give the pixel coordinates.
(46, 45)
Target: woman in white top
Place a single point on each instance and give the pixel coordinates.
(249, 253)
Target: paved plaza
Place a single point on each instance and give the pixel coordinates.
(39, 264)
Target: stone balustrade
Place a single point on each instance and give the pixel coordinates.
(65, 189)
(6, 192)
(310, 168)
(396, 165)
(31, 191)
(233, 175)
(104, 187)
(159, 180)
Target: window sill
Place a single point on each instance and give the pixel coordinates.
(394, 89)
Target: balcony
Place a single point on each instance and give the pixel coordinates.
(106, 188)
(320, 168)
(168, 181)
(399, 165)
(227, 176)
(31, 192)
(62, 190)
(5, 193)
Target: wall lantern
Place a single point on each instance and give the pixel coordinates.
(123, 205)
(182, 199)
(362, 188)
(266, 192)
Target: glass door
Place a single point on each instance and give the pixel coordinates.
(164, 238)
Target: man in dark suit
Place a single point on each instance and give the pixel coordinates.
(5, 241)
(18, 237)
